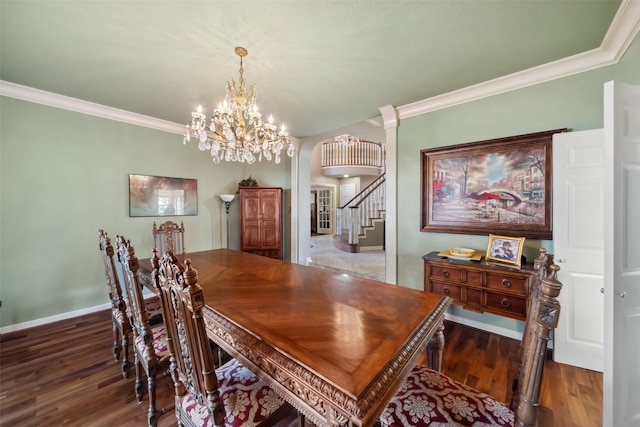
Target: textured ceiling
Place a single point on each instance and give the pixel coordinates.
(317, 65)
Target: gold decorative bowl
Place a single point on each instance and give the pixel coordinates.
(462, 252)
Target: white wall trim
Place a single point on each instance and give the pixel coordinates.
(621, 33)
(483, 327)
(623, 29)
(38, 96)
(390, 121)
(54, 318)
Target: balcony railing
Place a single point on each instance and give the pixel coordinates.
(362, 154)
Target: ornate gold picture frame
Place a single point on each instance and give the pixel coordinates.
(505, 249)
(500, 185)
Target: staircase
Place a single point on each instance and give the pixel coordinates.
(360, 222)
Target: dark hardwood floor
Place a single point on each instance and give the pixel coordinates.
(64, 374)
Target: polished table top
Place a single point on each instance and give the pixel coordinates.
(337, 347)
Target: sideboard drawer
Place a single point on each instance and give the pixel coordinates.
(507, 303)
(507, 282)
(447, 289)
(448, 273)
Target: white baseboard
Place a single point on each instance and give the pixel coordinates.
(61, 316)
(483, 327)
(54, 318)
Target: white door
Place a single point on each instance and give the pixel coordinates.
(324, 210)
(621, 379)
(578, 244)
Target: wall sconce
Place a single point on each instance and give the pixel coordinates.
(227, 199)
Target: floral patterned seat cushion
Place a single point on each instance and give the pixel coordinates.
(159, 343)
(117, 315)
(154, 310)
(429, 398)
(247, 400)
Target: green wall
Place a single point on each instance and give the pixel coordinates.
(64, 175)
(574, 102)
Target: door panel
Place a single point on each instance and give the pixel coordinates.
(621, 377)
(578, 240)
(325, 210)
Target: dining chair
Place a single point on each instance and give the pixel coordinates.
(541, 266)
(149, 342)
(429, 397)
(220, 356)
(168, 236)
(120, 319)
(229, 396)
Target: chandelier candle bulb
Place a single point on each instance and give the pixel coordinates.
(229, 137)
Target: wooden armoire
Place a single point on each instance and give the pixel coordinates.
(261, 221)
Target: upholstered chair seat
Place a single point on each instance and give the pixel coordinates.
(429, 398)
(160, 346)
(117, 314)
(153, 306)
(247, 400)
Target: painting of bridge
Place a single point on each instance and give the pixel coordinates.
(492, 185)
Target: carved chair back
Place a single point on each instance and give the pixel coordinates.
(113, 282)
(541, 268)
(121, 324)
(137, 308)
(151, 355)
(192, 362)
(542, 320)
(168, 236)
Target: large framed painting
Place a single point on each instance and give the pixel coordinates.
(500, 186)
(162, 196)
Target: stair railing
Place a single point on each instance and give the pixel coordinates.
(360, 211)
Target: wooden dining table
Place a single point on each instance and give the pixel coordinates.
(335, 346)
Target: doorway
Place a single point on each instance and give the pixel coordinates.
(322, 210)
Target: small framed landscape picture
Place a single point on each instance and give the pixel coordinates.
(162, 196)
(505, 249)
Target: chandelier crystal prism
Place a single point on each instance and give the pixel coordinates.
(237, 132)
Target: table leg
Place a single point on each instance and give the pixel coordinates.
(434, 349)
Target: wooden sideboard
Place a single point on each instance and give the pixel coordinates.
(480, 286)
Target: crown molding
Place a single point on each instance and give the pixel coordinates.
(621, 33)
(38, 96)
(389, 116)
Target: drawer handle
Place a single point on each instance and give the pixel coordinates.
(505, 303)
(446, 291)
(445, 273)
(506, 283)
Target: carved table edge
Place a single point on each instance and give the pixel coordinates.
(326, 404)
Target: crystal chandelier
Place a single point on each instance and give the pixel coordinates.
(236, 132)
(346, 139)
